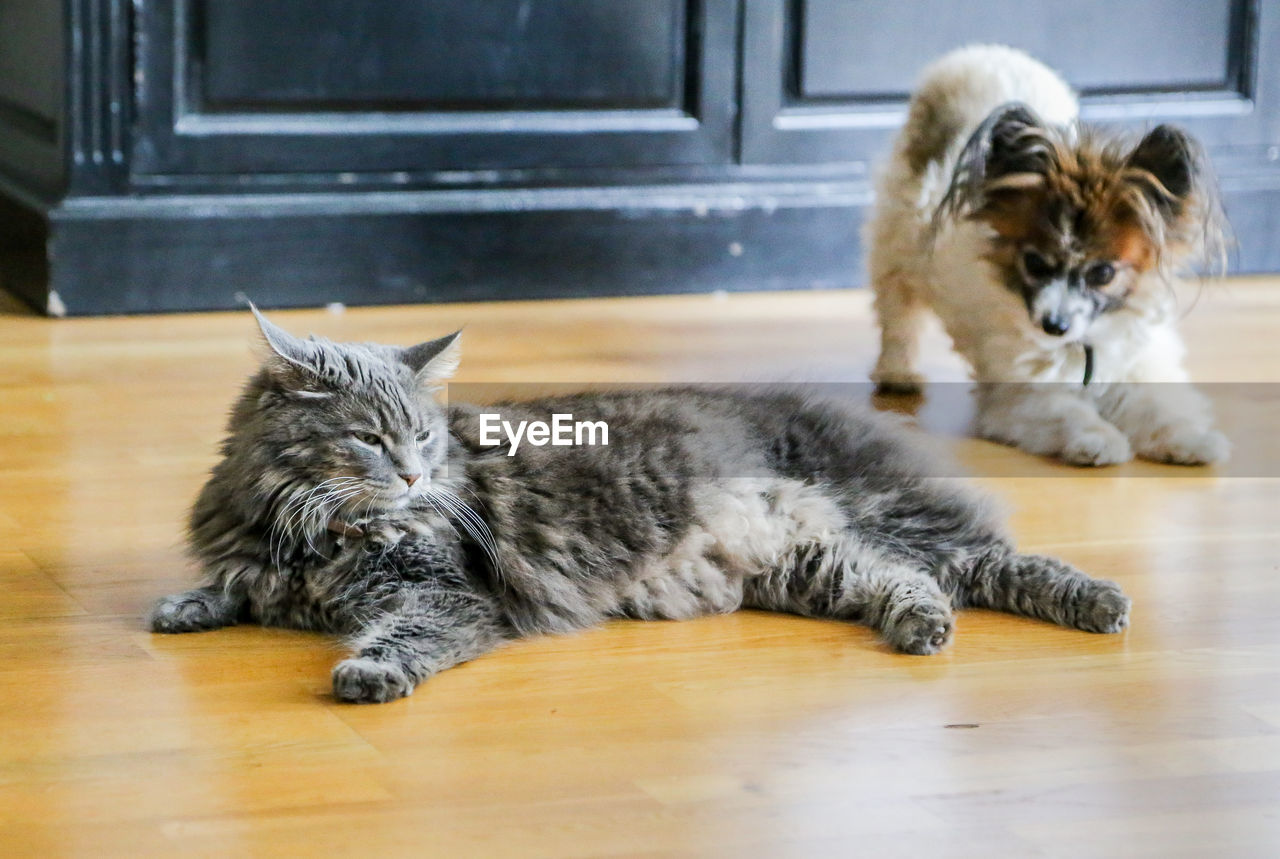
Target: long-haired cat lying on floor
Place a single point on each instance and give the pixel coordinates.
(349, 501)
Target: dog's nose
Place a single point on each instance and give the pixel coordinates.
(1055, 324)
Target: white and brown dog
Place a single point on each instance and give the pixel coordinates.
(1052, 256)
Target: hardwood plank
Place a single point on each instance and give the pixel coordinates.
(29, 593)
(745, 735)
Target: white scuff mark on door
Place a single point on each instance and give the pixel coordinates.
(54, 306)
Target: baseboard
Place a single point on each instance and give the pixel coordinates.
(131, 256)
(114, 255)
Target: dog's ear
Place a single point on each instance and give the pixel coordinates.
(1165, 165)
(1175, 198)
(1009, 151)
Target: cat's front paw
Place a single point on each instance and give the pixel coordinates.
(923, 629)
(373, 534)
(192, 611)
(367, 681)
(387, 533)
(1101, 606)
(1187, 446)
(384, 535)
(1099, 444)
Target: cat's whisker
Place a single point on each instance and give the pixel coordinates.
(469, 490)
(297, 516)
(280, 529)
(345, 489)
(368, 508)
(441, 512)
(450, 512)
(478, 500)
(471, 522)
(294, 520)
(320, 511)
(333, 502)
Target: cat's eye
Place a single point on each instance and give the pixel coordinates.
(424, 436)
(1099, 274)
(1037, 266)
(369, 438)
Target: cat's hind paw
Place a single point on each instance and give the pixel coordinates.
(923, 629)
(1101, 606)
(367, 681)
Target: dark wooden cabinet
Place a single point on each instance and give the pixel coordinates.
(168, 155)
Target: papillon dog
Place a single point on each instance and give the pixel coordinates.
(1053, 254)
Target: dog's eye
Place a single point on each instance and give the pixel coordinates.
(1099, 274)
(1037, 266)
(371, 439)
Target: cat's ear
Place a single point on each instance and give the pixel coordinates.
(295, 361)
(435, 360)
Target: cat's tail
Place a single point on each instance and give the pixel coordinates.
(1042, 587)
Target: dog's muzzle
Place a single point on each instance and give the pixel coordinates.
(1055, 324)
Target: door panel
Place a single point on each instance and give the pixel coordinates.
(826, 81)
(32, 92)
(422, 88)
(846, 51)
(525, 54)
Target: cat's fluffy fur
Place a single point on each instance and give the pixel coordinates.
(1030, 235)
(349, 501)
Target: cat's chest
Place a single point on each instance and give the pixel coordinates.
(303, 595)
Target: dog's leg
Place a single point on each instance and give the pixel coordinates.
(901, 312)
(1049, 420)
(897, 263)
(1164, 416)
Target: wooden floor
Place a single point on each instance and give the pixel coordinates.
(745, 735)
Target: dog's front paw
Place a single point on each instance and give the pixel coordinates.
(1101, 444)
(366, 681)
(904, 382)
(1101, 607)
(1188, 446)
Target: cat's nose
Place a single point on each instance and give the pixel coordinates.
(410, 479)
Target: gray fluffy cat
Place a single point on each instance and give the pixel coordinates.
(349, 501)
